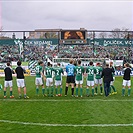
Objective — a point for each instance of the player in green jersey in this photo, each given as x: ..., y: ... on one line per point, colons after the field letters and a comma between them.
x: 49, y: 79
x: 112, y: 82
x: 79, y: 71
x: 98, y: 79
x: 39, y: 76
x: 90, y: 70
x: 58, y: 79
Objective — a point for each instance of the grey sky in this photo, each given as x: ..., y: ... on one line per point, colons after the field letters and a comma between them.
x: 98, y: 15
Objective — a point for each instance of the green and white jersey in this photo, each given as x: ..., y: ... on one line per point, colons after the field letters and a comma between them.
x: 79, y: 70
x: 38, y: 70
x: 48, y: 72
x: 91, y: 71
x: 58, y: 71
x: 98, y: 72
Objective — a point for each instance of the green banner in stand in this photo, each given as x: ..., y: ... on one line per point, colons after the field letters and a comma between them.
x: 102, y: 42
x: 29, y: 42
x: 111, y: 42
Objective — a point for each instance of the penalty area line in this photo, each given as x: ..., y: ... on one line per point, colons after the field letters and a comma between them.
x: 65, y: 125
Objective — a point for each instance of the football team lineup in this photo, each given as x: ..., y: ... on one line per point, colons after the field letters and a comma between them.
x: 67, y: 114
x: 97, y: 77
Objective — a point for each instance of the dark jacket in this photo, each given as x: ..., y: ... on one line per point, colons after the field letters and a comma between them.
x: 107, y: 75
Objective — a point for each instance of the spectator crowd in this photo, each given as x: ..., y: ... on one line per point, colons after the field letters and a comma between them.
x: 30, y: 52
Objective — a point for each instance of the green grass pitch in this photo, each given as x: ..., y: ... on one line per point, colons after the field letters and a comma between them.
x: 65, y: 114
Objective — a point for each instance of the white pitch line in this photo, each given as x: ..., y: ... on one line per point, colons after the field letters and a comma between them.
x: 65, y: 125
x: 67, y: 100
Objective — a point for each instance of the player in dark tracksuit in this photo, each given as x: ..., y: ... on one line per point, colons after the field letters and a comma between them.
x: 107, y: 78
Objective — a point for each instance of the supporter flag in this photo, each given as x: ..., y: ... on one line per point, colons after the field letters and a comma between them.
x: 21, y: 48
x: 95, y: 52
x: 20, y: 44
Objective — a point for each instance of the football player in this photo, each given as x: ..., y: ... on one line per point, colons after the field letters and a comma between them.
x: 20, y: 79
x: 70, y: 77
x: 98, y: 79
x: 39, y: 76
x: 58, y: 79
x: 79, y: 70
x: 90, y: 70
x: 8, y: 79
x: 112, y: 82
x: 49, y: 79
x: 126, y: 79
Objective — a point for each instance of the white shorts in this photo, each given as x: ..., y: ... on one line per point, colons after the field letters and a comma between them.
x: 8, y: 84
x: 49, y: 81
x: 126, y: 83
x: 79, y: 82
x: 98, y: 81
x: 38, y: 81
x: 90, y: 83
x: 58, y: 82
x: 20, y: 83
x: 112, y: 82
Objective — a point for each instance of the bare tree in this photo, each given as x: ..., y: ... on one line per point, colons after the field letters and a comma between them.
x: 2, y: 34
x: 119, y: 33
x: 102, y: 35
x: 51, y: 35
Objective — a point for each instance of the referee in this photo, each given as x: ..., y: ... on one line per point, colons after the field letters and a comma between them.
x: 107, y: 78
x: 8, y: 79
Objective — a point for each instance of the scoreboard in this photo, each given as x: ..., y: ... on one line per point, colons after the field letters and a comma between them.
x: 73, y: 37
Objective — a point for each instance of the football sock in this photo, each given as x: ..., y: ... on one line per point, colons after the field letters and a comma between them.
x: 76, y: 91
x: 43, y: 91
x: 101, y: 89
x: 24, y: 95
x: 87, y: 91
x: 4, y: 93
x: 52, y: 90
x: 66, y: 90
x: 129, y: 91
x: 96, y: 89
x: 81, y: 91
x: 60, y: 90
x: 47, y: 90
x: 123, y: 91
x: 113, y: 88
x: 37, y: 91
x: 72, y: 91
x: 56, y: 91
x: 92, y: 91
x: 10, y: 93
